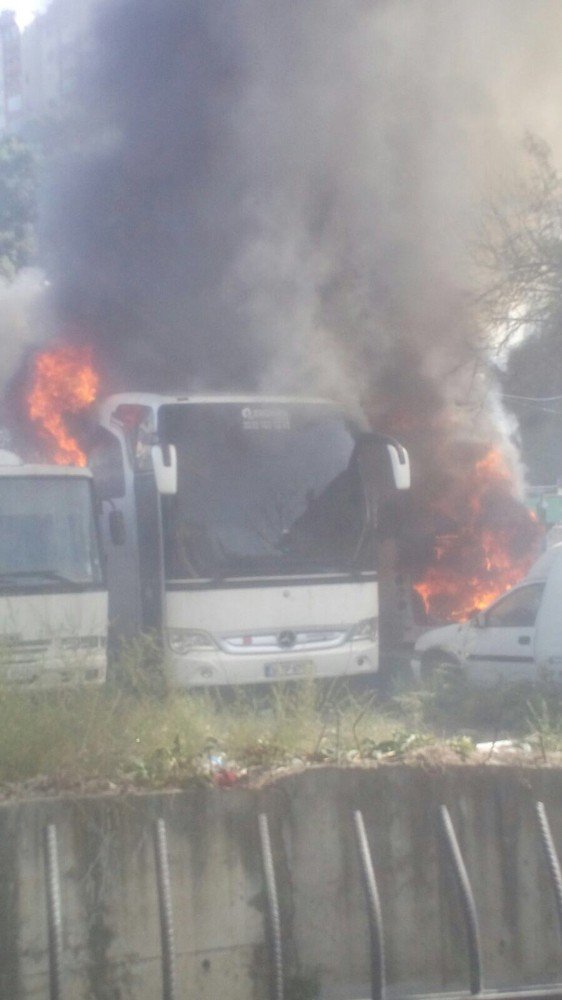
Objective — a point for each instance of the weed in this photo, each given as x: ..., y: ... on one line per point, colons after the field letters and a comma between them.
x: 400, y: 743
x: 544, y: 713
x: 124, y: 734
x: 138, y: 667
x: 450, y: 704
x: 128, y: 735
x: 464, y: 746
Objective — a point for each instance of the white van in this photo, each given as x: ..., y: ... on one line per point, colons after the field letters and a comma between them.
x: 517, y: 638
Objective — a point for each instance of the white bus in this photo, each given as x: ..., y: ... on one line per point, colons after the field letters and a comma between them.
x: 53, y: 594
x: 242, y: 532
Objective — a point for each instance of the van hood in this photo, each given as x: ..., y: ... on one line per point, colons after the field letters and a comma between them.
x: 445, y: 637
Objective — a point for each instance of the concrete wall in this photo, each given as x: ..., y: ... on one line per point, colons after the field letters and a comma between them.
x: 110, y: 907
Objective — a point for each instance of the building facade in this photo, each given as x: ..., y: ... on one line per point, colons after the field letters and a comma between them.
x: 11, y: 73
x: 39, y: 66
x: 53, y: 47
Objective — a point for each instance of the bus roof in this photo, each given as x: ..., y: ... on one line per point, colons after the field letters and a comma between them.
x: 155, y: 400
x: 28, y: 470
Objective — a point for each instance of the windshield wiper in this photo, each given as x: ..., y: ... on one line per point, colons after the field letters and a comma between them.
x: 38, y: 574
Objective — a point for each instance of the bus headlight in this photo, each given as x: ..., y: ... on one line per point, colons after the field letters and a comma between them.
x: 184, y: 640
x: 366, y: 630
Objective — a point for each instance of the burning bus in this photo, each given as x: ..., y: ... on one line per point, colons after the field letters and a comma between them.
x: 243, y: 532
x: 273, y: 537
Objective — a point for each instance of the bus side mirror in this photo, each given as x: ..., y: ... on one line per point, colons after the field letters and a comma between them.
x: 385, y: 464
x: 165, y: 465
x: 117, y: 527
x: 400, y: 464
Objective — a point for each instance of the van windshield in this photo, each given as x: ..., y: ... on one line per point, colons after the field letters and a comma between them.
x: 48, y: 538
x: 263, y: 490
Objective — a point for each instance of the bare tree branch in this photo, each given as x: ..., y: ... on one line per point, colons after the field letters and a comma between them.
x: 518, y: 250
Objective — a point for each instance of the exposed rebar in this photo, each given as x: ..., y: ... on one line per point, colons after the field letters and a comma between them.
x: 274, y: 919
x: 552, y: 859
x: 467, y: 901
x: 54, y: 912
x: 166, y: 915
x: 378, y: 972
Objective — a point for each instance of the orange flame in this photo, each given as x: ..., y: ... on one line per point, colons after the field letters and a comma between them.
x: 64, y: 381
x: 493, y: 548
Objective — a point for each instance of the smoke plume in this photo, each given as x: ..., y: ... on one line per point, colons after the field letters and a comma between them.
x: 24, y: 321
x: 279, y: 196
x: 276, y: 195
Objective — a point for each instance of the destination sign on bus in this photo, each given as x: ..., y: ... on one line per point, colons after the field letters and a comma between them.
x: 261, y: 418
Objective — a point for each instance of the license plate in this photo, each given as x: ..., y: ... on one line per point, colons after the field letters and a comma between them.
x: 289, y: 668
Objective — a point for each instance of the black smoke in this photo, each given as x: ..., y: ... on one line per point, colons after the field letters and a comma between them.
x: 266, y: 194
x: 279, y: 196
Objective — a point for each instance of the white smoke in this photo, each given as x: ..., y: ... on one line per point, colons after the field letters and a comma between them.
x: 23, y: 319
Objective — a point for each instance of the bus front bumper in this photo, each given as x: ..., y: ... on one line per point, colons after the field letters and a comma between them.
x: 214, y: 668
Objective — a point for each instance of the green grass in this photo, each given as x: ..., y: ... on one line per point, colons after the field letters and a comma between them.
x: 129, y: 737
x: 514, y: 710
x: 136, y: 732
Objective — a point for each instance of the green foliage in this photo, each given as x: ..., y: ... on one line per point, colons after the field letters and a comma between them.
x: 18, y: 205
x: 521, y: 711
x: 121, y: 736
x: 545, y: 719
x: 399, y: 744
x: 63, y: 734
x: 138, y: 668
x: 463, y: 746
x: 126, y: 736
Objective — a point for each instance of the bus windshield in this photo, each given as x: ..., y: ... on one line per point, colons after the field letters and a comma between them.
x: 48, y: 538
x: 263, y: 490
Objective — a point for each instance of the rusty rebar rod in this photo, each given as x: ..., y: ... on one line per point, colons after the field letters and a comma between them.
x: 166, y: 914
x: 378, y: 969
x: 274, y: 918
x: 468, y: 905
x: 552, y: 860
x: 54, y: 911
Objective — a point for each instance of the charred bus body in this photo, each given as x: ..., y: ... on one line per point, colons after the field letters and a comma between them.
x: 242, y: 531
